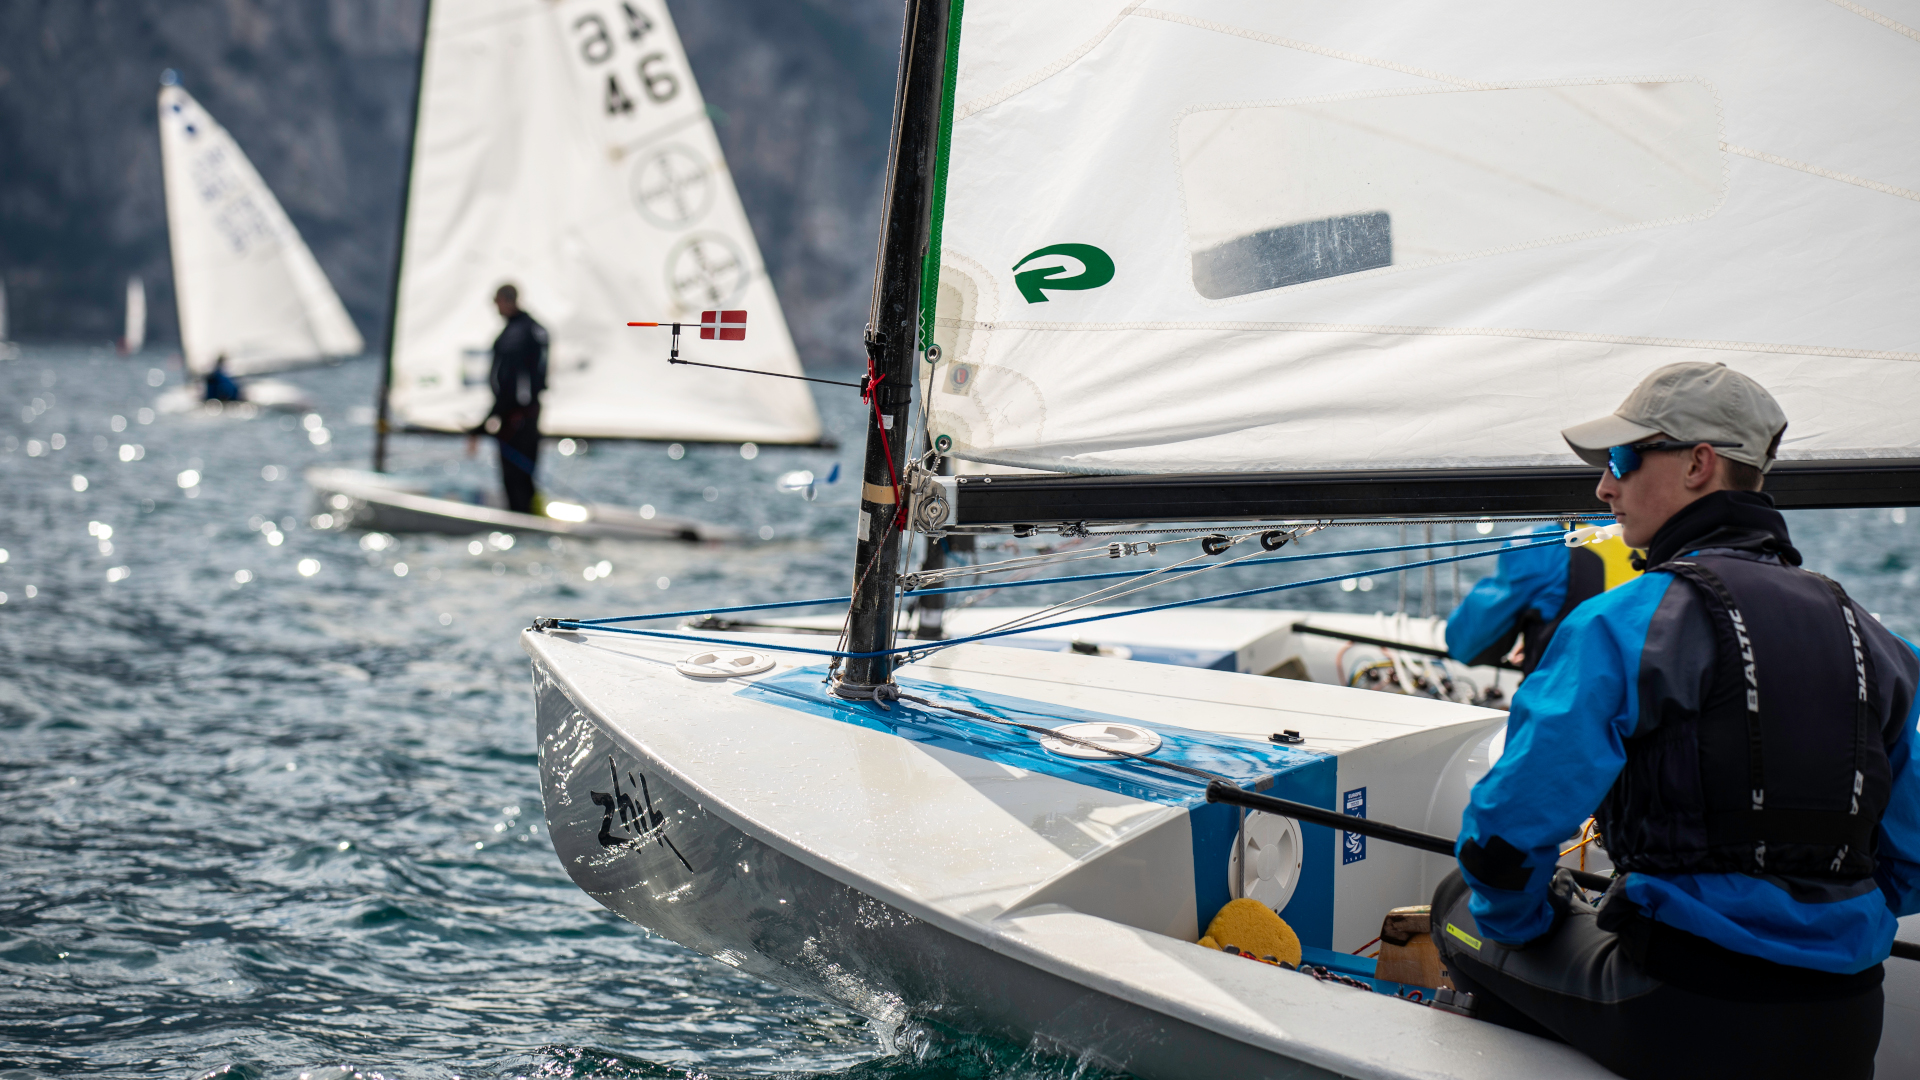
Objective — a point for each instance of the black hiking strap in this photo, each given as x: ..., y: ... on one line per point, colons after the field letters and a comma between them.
x: 1730, y: 613
x: 1864, y: 711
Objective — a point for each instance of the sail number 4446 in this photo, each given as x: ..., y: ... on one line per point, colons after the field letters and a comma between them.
x: 598, y: 39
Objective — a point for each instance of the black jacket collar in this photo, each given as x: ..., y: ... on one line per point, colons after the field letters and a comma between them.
x: 1745, y: 520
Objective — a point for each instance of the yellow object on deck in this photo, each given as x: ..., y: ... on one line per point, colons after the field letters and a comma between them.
x: 1254, y: 928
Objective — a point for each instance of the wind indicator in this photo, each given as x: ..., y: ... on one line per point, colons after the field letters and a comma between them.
x: 726, y: 326
x: 723, y: 326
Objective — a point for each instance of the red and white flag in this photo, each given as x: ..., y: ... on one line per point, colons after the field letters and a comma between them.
x: 723, y: 326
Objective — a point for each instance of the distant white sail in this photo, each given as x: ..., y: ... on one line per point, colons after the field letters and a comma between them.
x: 135, y: 337
x: 244, y: 282
x: 1245, y: 235
x: 562, y: 146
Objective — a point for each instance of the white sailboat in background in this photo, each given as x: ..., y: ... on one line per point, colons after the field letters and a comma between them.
x: 1254, y: 262
x: 135, y: 336
x: 245, y: 285
x: 564, y: 147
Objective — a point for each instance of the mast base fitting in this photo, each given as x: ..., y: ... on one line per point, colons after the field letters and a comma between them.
x: 881, y: 694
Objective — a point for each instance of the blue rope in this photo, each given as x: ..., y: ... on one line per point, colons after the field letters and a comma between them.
x: 574, y: 624
x: 1250, y: 562
x: 1053, y: 580
x: 712, y: 611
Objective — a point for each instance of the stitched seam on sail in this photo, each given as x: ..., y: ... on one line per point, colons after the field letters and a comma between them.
x: 1898, y: 28
x: 1455, y: 331
x: 995, y: 97
x: 1817, y: 170
x: 1307, y: 46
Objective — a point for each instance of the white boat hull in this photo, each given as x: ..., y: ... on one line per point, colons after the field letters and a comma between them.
x: 758, y: 909
x: 354, y: 499
x: 902, y: 878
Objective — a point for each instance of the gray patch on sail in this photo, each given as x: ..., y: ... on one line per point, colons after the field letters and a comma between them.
x: 1291, y: 254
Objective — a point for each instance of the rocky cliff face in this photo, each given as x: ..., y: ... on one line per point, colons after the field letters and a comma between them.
x: 319, y: 94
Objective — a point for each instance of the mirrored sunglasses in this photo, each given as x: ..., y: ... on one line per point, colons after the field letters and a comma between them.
x: 1622, y: 460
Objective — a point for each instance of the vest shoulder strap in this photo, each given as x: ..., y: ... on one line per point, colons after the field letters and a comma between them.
x: 1848, y: 831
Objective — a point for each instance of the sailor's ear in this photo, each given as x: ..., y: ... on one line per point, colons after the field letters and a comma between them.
x: 1703, y: 464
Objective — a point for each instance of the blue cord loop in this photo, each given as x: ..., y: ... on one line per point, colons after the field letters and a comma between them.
x: 929, y: 647
x: 1066, y: 579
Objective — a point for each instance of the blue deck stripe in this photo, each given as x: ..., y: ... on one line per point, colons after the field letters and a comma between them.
x: 1241, y: 760
x: 1283, y: 771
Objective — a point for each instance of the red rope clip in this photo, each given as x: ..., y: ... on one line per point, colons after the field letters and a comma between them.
x: 870, y: 392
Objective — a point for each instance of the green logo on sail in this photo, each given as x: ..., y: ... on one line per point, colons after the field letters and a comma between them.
x: 1096, y: 270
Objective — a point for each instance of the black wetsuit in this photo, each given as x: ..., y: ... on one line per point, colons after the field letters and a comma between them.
x: 1651, y: 1002
x: 519, y: 375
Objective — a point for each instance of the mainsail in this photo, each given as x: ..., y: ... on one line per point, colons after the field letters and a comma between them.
x: 1229, y: 235
x: 244, y: 283
x: 562, y: 146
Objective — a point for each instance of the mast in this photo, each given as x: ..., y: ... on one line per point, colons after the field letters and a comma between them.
x: 893, y: 332
x: 380, y: 423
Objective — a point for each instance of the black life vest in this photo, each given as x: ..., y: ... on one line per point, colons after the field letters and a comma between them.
x: 1784, y: 768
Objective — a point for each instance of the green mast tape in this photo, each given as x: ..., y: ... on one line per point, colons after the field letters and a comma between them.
x: 930, y: 272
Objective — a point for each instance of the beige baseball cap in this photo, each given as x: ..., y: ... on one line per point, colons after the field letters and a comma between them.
x: 1691, y: 402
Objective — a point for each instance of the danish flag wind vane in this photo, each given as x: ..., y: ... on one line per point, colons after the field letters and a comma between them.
x: 726, y: 326
x: 723, y: 326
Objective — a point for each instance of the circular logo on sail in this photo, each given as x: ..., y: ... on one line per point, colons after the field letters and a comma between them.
x: 672, y: 187
x: 706, y: 270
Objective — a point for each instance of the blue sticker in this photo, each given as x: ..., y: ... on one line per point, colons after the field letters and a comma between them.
x: 1353, y: 846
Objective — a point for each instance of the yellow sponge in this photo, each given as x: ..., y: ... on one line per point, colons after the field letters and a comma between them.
x: 1252, y: 927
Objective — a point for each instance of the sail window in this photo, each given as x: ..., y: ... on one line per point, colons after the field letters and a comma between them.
x: 1280, y: 195
x: 1290, y: 254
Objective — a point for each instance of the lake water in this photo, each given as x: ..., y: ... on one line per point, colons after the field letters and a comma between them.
x: 268, y: 798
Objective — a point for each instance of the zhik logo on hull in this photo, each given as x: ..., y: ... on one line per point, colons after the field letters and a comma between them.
x: 1096, y: 270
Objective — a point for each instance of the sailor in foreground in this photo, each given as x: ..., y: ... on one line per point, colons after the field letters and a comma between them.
x: 1530, y: 593
x: 1747, y: 734
x: 518, y: 377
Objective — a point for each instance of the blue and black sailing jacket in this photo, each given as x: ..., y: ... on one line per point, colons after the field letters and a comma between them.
x: 1746, y: 736
x: 1528, y: 596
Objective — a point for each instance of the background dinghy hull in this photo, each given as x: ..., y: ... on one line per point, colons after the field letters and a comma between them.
x: 376, y: 502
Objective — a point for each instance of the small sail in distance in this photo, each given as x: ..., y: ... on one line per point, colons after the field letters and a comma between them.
x: 135, y: 337
x: 245, y: 284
